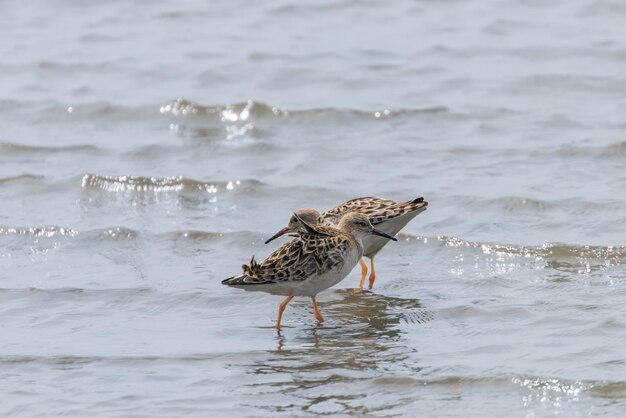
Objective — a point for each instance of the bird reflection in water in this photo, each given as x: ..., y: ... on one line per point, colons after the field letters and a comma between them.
x: 325, y: 368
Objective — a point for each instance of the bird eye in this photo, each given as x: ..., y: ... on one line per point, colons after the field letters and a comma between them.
x: 361, y: 223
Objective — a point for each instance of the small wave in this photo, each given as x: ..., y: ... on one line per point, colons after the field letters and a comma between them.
x: 118, y: 233
x: 246, y: 111
x: 567, y: 82
x: 23, y: 178
x: 238, y: 112
x: 537, y: 207
x: 78, y: 290
x: 420, y: 316
x: 614, y: 150
x: 39, y: 232
x: 55, y: 233
x: 569, y: 258
x: 11, y: 104
x: 77, y: 360
x: 542, y: 251
x: 8, y: 148
x: 140, y: 184
x: 102, y: 110
x: 611, y: 151
x: 123, y: 234
x: 364, y: 114
x: 197, y: 235
x: 516, y: 203
x: 549, y: 387
x: 541, y: 389
x: 527, y: 204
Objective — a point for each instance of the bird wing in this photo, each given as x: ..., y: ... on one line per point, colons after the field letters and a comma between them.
x: 299, y: 259
x: 378, y: 210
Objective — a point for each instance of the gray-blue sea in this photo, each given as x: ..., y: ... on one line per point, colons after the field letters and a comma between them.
x: 148, y: 148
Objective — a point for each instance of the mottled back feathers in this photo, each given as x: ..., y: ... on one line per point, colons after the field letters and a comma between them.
x: 378, y: 210
x: 320, y: 250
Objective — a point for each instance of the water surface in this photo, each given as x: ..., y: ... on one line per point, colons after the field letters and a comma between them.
x: 147, y: 149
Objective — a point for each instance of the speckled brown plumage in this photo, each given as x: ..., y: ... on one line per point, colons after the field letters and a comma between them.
x: 296, y: 261
x: 378, y: 210
x: 318, y: 258
x: 384, y: 214
x: 321, y: 249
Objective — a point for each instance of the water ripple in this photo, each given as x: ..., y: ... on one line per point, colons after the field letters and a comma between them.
x: 23, y: 178
x: 577, y: 259
x: 8, y: 148
x: 39, y: 232
x: 248, y: 110
x: 116, y: 184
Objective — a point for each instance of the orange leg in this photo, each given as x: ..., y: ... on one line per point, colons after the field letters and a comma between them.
x: 363, y: 274
x: 281, y: 309
x: 373, y: 275
x: 318, y: 314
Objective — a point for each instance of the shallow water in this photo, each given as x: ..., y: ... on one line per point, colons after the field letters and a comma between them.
x: 147, y: 149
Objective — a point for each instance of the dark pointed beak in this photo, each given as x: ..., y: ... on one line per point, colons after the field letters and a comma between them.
x: 382, y: 234
x: 278, y: 234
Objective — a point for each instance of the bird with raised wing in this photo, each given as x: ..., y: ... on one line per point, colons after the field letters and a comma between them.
x: 386, y: 215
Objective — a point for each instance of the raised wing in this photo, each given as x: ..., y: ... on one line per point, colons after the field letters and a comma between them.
x: 378, y: 210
